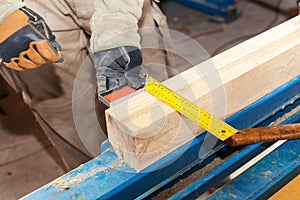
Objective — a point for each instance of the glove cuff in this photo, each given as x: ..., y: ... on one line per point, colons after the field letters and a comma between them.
x: 12, y: 24
x: 135, y: 56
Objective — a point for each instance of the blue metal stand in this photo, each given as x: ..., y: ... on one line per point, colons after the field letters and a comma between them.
x: 260, y: 181
x: 267, y: 176
x: 224, y: 9
x: 107, y: 177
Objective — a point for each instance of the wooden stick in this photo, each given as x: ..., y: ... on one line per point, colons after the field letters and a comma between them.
x: 265, y: 134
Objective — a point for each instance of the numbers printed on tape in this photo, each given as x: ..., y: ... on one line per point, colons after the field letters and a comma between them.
x: 204, y: 119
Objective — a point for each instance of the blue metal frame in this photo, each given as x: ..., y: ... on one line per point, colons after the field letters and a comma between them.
x: 223, y: 8
x: 259, y: 181
x: 106, y: 177
x: 266, y: 177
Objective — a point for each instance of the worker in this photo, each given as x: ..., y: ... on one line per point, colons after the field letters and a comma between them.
x: 44, y: 68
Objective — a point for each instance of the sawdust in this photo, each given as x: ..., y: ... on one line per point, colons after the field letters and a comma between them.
x: 70, y: 180
x: 232, y: 195
x: 65, y: 182
x: 286, y: 116
x: 182, y: 183
x: 268, y: 172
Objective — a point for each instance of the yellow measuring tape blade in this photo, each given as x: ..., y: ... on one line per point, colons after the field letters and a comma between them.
x: 215, y: 126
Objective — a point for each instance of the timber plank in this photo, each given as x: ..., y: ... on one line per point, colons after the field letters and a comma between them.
x: 290, y: 191
x: 142, y: 129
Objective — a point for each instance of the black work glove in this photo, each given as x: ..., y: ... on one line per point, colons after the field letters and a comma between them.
x: 26, y: 41
x: 118, y: 67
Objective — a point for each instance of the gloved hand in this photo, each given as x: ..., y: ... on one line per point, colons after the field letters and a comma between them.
x: 26, y: 41
x: 118, y: 66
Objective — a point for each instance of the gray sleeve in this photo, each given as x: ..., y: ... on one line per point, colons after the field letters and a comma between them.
x: 115, y: 23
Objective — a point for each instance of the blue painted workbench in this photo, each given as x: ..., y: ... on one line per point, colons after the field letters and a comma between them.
x: 224, y: 9
x: 107, y: 177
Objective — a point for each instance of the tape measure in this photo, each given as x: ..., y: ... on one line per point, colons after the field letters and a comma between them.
x: 210, y: 123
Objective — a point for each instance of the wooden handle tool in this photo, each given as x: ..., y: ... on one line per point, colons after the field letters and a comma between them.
x: 265, y: 134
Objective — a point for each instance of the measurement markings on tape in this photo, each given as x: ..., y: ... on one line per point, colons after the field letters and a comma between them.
x: 210, y: 123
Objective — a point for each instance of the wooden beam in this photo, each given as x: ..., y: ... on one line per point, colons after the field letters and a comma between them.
x: 142, y: 129
x: 290, y: 191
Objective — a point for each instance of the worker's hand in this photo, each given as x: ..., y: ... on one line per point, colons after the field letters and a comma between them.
x: 26, y: 41
x: 118, y: 66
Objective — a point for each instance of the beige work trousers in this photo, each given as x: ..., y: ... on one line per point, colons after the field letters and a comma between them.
x: 49, y: 90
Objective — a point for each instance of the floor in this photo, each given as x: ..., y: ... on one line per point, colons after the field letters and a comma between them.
x: 28, y: 160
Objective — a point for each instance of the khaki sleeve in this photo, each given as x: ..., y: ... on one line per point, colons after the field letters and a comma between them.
x: 7, y: 7
x: 115, y: 23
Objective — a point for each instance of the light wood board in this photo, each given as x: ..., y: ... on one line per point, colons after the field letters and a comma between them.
x: 290, y: 191
x: 142, y: 129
